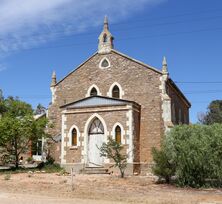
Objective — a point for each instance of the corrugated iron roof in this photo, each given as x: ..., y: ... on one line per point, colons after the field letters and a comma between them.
x: 96, y: 101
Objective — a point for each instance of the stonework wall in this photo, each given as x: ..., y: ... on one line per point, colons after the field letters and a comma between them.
x: 136, y: 141
x: 55, y: 150
x: 80, y: 120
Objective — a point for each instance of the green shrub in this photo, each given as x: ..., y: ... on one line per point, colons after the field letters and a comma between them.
x: 163, y: 168
x: 191, y: 153
x: 50, y: 160
x: 29, y: 159
x: 52, y: 168
x: 113, y: 150
x: 7, y: 159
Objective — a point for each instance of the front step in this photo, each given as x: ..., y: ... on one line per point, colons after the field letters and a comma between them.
x: 95, y: 170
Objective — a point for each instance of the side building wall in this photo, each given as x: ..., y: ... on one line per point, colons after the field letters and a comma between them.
x: 179, y: 106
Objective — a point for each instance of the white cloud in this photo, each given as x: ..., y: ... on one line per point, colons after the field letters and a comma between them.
x: 28, y: 23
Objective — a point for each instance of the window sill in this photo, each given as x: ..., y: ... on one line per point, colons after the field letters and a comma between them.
x: 73, y: 147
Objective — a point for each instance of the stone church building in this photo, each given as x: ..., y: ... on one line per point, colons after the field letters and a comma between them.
x: 113, y: 95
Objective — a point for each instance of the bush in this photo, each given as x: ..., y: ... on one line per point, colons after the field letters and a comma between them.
x: 50, y: 160
x: 7, y: 159
x: 29, y: 160
x: 191, y: 153
x: 163, y: 168
x: 52, y: 168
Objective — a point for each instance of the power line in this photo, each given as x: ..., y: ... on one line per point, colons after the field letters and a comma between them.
x: 198, y: 102
x: 173, y: 16
x: 125, y: 39
x: 204, y: 92
x: 69, y: 33
x: 198, y: 82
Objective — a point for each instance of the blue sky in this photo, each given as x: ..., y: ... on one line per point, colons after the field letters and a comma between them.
x: 38, y: 37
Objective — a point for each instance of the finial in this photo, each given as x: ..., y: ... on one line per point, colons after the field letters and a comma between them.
x: 106, y: 24
x: 164, y: 66
x: 53, y: 83
x: 105, y: 39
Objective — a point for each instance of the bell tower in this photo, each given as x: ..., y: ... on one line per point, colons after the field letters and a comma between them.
x: 105, y: 39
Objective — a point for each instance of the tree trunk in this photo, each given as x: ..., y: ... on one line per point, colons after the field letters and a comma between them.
x: 16, y: 161
x: 16, y: 154
x: 122, y: 173
x: 167, y: 179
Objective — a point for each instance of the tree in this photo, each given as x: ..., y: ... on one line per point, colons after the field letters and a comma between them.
x: 18, y: 128
x: 113, y: 150
x: 213, y: 114
x: 2, y: 105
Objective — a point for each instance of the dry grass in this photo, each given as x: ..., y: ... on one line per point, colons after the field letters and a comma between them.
x: 107, y: 188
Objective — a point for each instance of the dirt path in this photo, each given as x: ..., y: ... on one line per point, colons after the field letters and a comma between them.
x: 12, y: 198
x: 51, y: 188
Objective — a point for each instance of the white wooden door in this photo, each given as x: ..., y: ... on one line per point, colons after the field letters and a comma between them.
x: 94, y: 158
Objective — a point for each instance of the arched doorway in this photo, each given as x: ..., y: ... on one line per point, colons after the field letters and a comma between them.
x: 95, y: 140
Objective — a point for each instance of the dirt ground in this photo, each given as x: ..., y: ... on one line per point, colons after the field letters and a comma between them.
x: 103, y: 189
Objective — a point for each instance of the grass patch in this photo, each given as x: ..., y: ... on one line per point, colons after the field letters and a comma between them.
x: 47, y: 168
x: 52, y: 168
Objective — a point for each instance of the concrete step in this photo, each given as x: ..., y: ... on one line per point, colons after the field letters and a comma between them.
x: 95, y: 170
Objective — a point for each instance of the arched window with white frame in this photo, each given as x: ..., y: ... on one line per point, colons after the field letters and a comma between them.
x: 118, y: 133
x: 115, y: 91
x: 104, y: 63
x: 93, y: 91
x: 74, y: 135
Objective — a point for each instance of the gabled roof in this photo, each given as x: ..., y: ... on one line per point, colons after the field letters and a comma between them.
x: 94, y: 101
x: 179, y: 92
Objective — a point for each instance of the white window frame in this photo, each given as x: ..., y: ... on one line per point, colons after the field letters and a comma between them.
x: 70, y: 137
x: 90, y: 89
x: 101, y: 61
x: 121, y: 92
x: 113, y: 132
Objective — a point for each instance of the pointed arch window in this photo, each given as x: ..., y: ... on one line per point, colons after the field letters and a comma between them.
x: 93, y: 92
x: 116, y: 92
x: 118, y: 134
x: 96, y: 127
x: 74, y: 137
